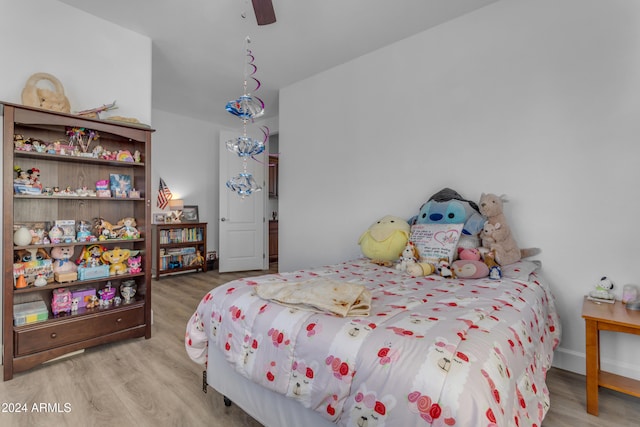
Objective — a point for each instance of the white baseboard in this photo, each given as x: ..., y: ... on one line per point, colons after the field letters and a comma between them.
x: 576, y: 362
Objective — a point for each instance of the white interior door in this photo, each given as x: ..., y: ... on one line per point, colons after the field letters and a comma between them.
x: 242, y: 224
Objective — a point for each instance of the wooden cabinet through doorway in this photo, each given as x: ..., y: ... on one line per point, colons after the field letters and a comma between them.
x: 273, y: 241
x: 273, y: 177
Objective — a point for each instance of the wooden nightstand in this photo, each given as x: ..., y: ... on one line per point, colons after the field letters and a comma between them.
x: 606, y: 317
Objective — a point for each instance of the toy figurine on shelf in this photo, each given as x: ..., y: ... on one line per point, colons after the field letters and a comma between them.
x: 40, y: 281
x: 174, y: 217
x: 20, y: 143
x: 94, y: 113
x: 127, y: 228
x: 104, y: 229
x: 39, y: 146
x: 198, y: 260
x: 106, y: 295
x: 93, y: 302
x: 25, y: 182
x: 55, y: 234
x: 91, y: 256
x: 34, y: 177
x: 135, y: 264
x: 83, y: 233
x: 22, y: 176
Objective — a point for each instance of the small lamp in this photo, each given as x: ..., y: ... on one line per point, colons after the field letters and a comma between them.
x: 176, y: 207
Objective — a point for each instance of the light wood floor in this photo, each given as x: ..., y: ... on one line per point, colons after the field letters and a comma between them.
x: 153, y: 382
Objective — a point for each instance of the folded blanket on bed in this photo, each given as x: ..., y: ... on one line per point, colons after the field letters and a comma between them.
x: 321, y: 295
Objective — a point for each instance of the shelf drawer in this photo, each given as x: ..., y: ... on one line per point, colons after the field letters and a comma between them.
x: 75, y: 329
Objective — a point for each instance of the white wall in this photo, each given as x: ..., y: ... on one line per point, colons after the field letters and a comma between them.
x: 538, y: 100
x: 96, y: 61
x: 186, y: 156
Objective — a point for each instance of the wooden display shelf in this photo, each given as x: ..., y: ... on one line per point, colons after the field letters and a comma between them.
x: 26, y: 346
x: 76, y: 283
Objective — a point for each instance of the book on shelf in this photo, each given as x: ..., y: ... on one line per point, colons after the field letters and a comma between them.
x: 177, y: 258
x: 180, y: 235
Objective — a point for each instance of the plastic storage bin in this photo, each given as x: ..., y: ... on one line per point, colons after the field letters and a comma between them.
x: 30, y: 312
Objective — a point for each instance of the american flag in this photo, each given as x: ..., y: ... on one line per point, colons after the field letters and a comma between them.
x: 164, y: 194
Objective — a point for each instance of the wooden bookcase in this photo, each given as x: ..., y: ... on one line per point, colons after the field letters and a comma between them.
x: 31, y: 344
x: 180, y: 247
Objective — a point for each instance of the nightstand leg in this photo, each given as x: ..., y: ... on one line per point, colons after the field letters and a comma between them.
x: 593, y: 365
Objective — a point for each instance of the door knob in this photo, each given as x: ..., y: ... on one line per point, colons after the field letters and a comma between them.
x: 223, y: 219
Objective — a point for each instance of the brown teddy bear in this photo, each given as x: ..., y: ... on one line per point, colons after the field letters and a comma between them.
x: 34, y: 96
x: 504, y: 246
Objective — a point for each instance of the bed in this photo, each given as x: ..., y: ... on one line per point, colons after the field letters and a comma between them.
x: 430, y: 351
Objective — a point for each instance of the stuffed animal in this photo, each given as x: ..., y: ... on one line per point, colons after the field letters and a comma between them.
x: 127, y: 228
x: 472, y: 254
x: 34, y: 96
x: 602, y: 289
x: 135, y: 264
x: 444, y: 269
x: 469, y: 264
x: 449, y: 207
x: 504, y: 246
x: 93, y: 302
x: 486, y: 234
x: 469, y: 269
x: 62, y: 259
x: 384, y: 241
x: 418, y: 269
x: 31, y: 254
x: 116, y: 257
x: 409, y: 255
x: 495, y: 272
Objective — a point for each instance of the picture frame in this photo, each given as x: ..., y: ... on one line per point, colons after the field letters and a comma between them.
x: 120, y: 185
x: 190, y: 214
x: 159, y: 218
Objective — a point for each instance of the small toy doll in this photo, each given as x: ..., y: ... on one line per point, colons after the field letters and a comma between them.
x: 135, y: 264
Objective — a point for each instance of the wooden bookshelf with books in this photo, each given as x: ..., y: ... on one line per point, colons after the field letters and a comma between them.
x: 179, y: 247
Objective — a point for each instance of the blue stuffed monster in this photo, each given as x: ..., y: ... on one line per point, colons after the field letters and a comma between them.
x: 449, y: 207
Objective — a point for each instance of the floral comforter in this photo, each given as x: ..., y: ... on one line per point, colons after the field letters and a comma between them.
x: 433, y: 351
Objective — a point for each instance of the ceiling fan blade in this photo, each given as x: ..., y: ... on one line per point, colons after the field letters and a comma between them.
x: 265, y: 14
